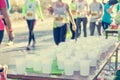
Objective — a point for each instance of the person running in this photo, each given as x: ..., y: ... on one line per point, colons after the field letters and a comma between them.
x: 29, y: 11
x: 96, y: 12
x: 60, y: 10
x: 10, y: 40
x: 73, y: 8
x: 107, y: 18
x: 4, y: 12
x: 82, y: 8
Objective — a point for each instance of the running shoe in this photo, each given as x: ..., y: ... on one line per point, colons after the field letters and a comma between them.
x: 10, y: 43
x: 27, y: 48
x: 33, y: 45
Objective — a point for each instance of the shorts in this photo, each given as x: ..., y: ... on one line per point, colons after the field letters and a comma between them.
x: 4, y: 21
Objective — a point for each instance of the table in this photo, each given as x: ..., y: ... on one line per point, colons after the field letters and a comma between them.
x: 107, y: 31
x: 94, y: 72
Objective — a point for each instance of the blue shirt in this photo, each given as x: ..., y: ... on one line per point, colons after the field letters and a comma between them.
x: 118, y: 7
x: 8, y: 5
x: 107, y: 16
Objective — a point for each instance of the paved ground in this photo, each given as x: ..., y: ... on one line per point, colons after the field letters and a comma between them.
x: 43, y: 33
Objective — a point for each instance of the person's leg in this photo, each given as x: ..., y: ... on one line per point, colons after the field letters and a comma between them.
x: 105, y: 25
x: 56, y: 35
x: 78, y: 31
x: 92, y: 28
x: 32, y: 32
x: 73, y: 32
x: 99, y: 28
x: 85, y: 26
x: 1, y: 35
x: 10, y: 39
x: 63, y: 31
x: 29, y: 22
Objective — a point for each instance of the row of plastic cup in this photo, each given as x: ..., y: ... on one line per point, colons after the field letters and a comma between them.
x: 79, y: 56
x: 70, y: 67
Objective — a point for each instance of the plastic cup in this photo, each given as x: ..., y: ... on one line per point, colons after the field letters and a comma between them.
x: 29, y: 60
x: 84, y: 67
x: 46, y: 66
x: 60, y: 61
x: 76, y: 63
x: 20, y: 65
x: 68, y: 67
x: 37, y: 66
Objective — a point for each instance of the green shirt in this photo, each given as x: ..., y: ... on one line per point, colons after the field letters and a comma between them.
x: 73, y: 6
x: 32, y: 6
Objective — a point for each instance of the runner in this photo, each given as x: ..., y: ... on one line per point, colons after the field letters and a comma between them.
x: 107, y: 18
x: 82, y: 7
x: 4, y: 12
x: 96, y: 12
x: 30, y: 9
x: 73, y: 8
x: 60, y: 10
x: 10, y: 40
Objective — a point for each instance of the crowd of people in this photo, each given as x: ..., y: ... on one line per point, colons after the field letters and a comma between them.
x: 73, y: 16
x: 99, y: 15
x: 75, y: 13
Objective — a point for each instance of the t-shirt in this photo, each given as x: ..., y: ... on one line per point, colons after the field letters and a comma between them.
x: 73, y: 7
x: 2, y: 5
x: 107, y: 16
x: 31, y: 9
x: 81, y: 8
x: 95, y: 9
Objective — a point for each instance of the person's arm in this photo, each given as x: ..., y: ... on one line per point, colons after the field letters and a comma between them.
x: 71, y: 18
x: 6, y: 17
x: 101, y: 11
x: 39, y: 11
x: 109, y: 10
x: 103, y: 2
x: 87, y: 8
x: 24, y: 10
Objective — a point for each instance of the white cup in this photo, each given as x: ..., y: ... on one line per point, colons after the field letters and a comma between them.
x: 60, y: 61
x: 37, y: 66
x: 68, y: 67
x: 20, y: 64
x: 84, y: 67
x: 29, y: 60
x: 46, y: 66
x: 76, y: 63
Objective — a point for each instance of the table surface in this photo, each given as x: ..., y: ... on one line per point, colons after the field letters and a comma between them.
x: 94, y: 72
x: 111, y: 29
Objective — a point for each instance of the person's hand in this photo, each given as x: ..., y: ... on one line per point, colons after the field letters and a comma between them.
x: 50, y: 9
x: 74, y: 27
x: 42, y: 20
x: 1, y: 16
x: 23, y: 17
x: 11, y: 35
x: 88, y: 13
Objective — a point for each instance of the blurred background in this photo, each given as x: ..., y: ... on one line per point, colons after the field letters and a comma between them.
x: 16, y: 7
